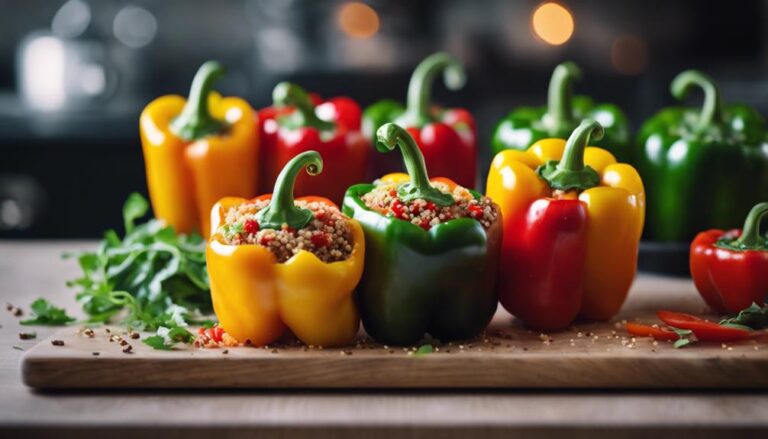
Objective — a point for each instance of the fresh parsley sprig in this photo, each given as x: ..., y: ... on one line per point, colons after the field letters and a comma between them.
x: 45, y: 313
x: 152, y: 276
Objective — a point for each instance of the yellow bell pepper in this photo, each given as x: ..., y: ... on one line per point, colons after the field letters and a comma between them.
x: 198, y: 151
x: 572, y: 224
x: 256, y: 298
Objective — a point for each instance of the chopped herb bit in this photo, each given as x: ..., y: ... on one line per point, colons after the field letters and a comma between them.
x: 166, y: 338
x: 425, y: 349
x: 753, y: 317
x: 45, y: 313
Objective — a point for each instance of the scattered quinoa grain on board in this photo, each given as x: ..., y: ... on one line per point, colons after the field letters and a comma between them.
x: 425, y: 214
x: 328, y: 236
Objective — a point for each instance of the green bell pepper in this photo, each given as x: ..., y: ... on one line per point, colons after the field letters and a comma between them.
x: 705, y: 168
x: 441, y: 281
x: 526, y: 125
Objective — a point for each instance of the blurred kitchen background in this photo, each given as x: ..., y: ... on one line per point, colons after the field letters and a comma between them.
x: 74, y: 75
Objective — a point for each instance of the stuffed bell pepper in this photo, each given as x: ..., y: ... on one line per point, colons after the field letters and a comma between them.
x: 197, y: 151
x: 572, y: 223
x: 527, y: 125
x: 296, y: 123
x: 703, y: 168
x: 730, y: 268
x: 432, y: 251
x: 447, y: 137
x: 278, y: 264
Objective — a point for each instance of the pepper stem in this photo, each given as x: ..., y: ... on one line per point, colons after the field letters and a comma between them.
x: 288, y: 94
x: 560, y: 96
x: 418, y: 112
x: 281, y: 209
x: 195, y: 120
x: 712, y: 110
x: 750, y: 235
x: 392, y: 135
x: 571, y: 172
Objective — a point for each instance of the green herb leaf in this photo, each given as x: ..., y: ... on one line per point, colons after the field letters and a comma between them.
x: 682, y: 342
x: 424, y: 349
x: 134, y: 208
x: 166, y: 338
x: 157, y: 342
x: 685, y: 337
x: 753, y: 317
x: 45, y: 313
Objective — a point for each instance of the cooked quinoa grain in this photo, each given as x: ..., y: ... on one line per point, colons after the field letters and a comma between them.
x: 384, y: 200
x: 328, y: 236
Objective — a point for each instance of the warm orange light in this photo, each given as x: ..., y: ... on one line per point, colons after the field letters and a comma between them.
x: 552, y: 23
x: 629, y: 55
x: 358, y: 20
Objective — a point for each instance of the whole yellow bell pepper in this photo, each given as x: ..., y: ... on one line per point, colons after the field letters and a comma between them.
x: 572, y: 224
x: 256, y: 298
x: 198, y: 151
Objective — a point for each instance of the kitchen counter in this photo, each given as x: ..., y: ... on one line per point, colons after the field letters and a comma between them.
x: 29, y: 270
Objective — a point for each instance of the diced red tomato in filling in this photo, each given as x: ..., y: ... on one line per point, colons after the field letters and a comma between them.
x: 251, y: 226
x: 399, y: 209
x: 320, y: 239
x: 475, y: 211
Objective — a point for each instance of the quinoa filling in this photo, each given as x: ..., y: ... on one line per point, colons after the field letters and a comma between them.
x: 425, y: 214
x: 328, y: 236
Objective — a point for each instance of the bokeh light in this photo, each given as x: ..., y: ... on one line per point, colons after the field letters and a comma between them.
x: 358, y: 20
x: 552, y: 23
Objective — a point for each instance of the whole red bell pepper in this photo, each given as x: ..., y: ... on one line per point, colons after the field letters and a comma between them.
x: 730, y: 268
x: 447, y: 137
x: 296, y: 123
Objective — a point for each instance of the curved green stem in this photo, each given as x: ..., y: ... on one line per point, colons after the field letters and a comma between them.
x: 570, y: 172
x: 391, y: 136
x: 712, y: 110
x: 750, y: 235
x: 282, y: 209
x: 288, y: 94
x: 417, y: 112
x: 560, y: 96
x: 195, y: 120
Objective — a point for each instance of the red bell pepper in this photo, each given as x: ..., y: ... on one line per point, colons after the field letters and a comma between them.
x: 704, y: 330
x: 447, y: 137
x: 548, y: 250
x: 331, y: 128
x: 730, y: 268
x: 268, y: 128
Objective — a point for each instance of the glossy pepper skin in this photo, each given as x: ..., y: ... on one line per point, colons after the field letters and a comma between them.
x: 525, y: 126
x: 441, y: 281
x: 257, y: 299
x: 572, y: 223
x: 198, y: 151
x: 730, y: 268
x: 703, y: 169
x: 447, y: 137
x: 331, y: 128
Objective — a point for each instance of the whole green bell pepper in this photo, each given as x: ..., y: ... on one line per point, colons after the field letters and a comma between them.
x: 703, y: 169
x: 441, y: 281
x: 564, y: 112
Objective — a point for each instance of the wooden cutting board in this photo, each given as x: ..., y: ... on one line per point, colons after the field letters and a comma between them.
x: 507, y: 356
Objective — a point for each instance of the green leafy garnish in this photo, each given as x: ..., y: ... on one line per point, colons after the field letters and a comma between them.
x: 425, y: 349
x: 753, y: 317
x: 685, y: 337
x: 45, y: 313
x: 166, y: 338
x: 153, y: 276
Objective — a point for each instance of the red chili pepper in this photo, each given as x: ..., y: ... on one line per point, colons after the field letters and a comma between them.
x: 657, y: 333
x: 703, y: 330
x: 332, y: 129
x: 730, y: 269
x: 544, y: 254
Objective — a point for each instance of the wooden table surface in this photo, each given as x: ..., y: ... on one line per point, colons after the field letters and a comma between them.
x: 29, y: 270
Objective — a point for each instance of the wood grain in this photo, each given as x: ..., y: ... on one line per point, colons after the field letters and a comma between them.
x: 507, y: 356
